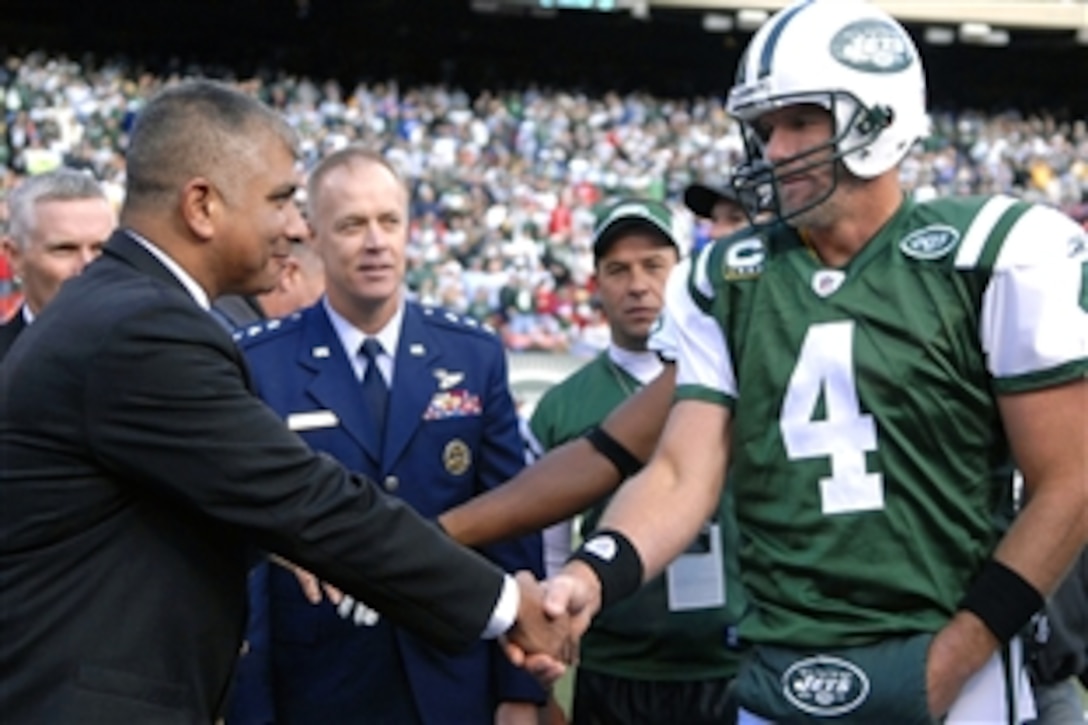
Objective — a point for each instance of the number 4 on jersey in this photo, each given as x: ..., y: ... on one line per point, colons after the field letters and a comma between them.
x: 825, y: 367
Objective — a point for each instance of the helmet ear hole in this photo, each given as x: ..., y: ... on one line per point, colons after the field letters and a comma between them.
x: 876, y: 120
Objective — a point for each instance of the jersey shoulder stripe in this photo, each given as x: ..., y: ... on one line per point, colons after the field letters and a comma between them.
x: 699, y: 285
x: 987, y: 231
x: 978, y: 233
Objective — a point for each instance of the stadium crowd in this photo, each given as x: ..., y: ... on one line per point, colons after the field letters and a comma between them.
x: 506, y: 181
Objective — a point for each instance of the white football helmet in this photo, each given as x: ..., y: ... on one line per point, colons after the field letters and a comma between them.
x: 848, y: 56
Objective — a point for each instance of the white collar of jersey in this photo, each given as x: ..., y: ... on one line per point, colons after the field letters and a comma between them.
x: 642, y: 365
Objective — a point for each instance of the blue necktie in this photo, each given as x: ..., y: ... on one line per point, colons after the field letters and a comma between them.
x: 375, y: 391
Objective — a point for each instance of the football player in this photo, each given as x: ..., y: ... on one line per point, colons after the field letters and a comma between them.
x: 866, y: 368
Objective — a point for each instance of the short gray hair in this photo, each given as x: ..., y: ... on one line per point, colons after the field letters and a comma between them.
x: 349, y: 156
x: 63, y: 184
x: 198, y: 127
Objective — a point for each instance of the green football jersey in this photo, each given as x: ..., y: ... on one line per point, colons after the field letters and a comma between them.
x: 659, y: 633
x: 868, y: 461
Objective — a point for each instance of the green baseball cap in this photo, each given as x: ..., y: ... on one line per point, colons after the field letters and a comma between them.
x: 631, y: 213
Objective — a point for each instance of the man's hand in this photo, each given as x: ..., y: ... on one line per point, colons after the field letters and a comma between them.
x: 539, y: 637
x: 956, y: 653
x: 572, y: 597
x: 517, y: 713
x: 576, y: 592
x: 311, y: 586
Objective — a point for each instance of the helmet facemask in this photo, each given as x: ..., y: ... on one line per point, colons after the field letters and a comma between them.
x: 855, y: 128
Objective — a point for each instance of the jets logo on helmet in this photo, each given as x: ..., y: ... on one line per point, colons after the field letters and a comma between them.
x: 847, y: 56
x: 872, y: 46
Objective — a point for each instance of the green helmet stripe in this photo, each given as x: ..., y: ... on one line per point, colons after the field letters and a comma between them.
x: 767, y: 55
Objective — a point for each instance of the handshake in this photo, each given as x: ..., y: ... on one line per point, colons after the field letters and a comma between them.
x: 552, y: 615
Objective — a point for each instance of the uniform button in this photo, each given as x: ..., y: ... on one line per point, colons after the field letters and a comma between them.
x: 245, y: 648
x: 391, y: 483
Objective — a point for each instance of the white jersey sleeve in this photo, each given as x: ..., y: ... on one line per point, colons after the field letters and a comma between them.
x: 663, y: 335
x: 1034, y: 320
x: 704, y: 365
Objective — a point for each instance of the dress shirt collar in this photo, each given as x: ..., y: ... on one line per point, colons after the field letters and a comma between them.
x: 195, y: 290
x: 28, y: 315
x: 351, y: 337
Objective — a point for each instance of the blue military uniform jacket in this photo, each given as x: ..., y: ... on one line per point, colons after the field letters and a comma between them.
x: 451, y: 433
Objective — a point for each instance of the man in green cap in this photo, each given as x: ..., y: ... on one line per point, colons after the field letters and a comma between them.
x: 665, y: 655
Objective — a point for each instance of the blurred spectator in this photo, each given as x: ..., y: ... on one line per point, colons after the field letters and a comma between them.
x: 718, y: 209
x: 59, y: 222
x: 301, y: 284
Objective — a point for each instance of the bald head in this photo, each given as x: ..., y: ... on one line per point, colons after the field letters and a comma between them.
x: 349, y: 156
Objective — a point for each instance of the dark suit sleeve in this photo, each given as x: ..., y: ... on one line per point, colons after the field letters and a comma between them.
x: 167, y: 410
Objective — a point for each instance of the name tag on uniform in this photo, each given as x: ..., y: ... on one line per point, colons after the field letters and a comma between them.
x: 312, y: 419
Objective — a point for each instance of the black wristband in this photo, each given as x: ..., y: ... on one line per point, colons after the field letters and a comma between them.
x: 1002, y: 599
x: 611, y: 449
x: 615, y: 562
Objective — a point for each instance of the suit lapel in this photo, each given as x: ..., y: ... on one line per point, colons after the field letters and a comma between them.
x: 413, y: 385
x: 334, y: 384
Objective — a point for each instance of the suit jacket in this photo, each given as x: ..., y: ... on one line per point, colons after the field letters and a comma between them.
x: 451, y: 433
x: 137, y: 470
x: 9, y: 331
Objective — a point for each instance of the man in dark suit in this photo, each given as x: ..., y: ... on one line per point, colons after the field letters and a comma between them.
x: 450, y: 432
x: 58, y: 223
x: 139, y: 470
